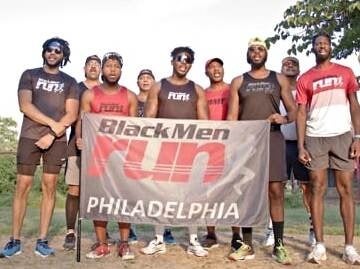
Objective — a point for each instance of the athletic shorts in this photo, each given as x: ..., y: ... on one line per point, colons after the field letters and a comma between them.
x: 330, y: 152
x: 277, y: 169
x: 72, y: 171
x: 29, y: 155
x: 292, y: 163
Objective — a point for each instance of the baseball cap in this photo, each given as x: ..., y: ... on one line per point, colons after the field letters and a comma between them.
x: 114, y: 56
x: 257, y: 41
x: 218, y: 60
x: 93, y: 58
x: 290, y: 58
x: 146, y: 72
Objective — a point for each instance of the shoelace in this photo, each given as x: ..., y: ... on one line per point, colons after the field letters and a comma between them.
x: 10, y: 244
x: 44, y: 244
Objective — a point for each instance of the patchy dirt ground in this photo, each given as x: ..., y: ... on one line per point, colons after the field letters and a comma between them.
x: 176, y: 257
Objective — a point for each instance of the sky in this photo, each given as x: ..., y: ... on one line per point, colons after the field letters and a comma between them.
x: 144, y: 32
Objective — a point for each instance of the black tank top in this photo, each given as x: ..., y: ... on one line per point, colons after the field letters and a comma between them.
x: 259, y: 98
x: 177, y: 101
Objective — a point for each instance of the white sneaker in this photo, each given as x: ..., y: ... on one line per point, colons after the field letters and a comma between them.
x: 269, y: 238
x: 312, y: 239
x: 196, y: 249
x: 351, y: 256
x: 153, y: 247
x: 317, y: 254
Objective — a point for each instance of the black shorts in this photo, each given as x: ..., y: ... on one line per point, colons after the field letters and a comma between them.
x: 292, y: 163
x: 29, y: 155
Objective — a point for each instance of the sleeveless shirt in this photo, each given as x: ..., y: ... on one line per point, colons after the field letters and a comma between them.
x: 113, y: 104
x: 177, y: 101
x: 259, y: 98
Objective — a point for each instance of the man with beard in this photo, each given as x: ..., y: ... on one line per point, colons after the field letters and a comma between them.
x: 163, y: 102
x: 48, y: 99
x: 256, y: 95
x: 328, y: 111
x: 109, y: 98
x: 72, y: 172
x: 290, y: 68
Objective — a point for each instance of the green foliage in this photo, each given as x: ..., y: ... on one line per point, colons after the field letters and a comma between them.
x: 340, y: 19
x: 7, y: 173
x: 8, y: 135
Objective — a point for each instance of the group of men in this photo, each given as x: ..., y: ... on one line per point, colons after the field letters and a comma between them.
x: 51, y: 102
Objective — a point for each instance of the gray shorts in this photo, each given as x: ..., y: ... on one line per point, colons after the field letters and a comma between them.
x: 72, y: 172
x: 330, y: 152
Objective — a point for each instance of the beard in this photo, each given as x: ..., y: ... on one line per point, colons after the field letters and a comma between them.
x: 256, y: 65
x: 322, y: 58
x: 53, y: 65
x: 110, y: 82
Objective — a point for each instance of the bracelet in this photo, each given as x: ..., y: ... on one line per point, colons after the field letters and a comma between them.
x: 357, y: 136
x: 53, y: 133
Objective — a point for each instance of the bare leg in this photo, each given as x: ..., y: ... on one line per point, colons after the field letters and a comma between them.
x: 48, y: 186
x: 344, y: 188
x: 22, y: 189
x: 124, y: 230
x: 318, y: 181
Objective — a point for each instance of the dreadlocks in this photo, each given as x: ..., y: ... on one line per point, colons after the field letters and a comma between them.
x: 64, y: 46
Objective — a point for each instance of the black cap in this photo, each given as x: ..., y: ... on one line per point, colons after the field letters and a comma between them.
x: 93, y: 58
x: 146, y: 72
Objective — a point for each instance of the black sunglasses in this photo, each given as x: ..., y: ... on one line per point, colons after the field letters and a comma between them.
x: 183, y: 58
x: 56, y: 50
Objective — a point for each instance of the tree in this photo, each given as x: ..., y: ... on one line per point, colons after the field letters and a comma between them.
x: 339, y: 18
x: 8, y: 135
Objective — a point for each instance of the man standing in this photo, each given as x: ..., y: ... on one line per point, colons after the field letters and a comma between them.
x: 49, y: 100
x: 163, y: 102
x: 256, y: 95
x: 328, y: 109
x: 72, y: 172
x: 112, y: 99
x: 290, y: 68
x: 217, y: 95
x: 145, y: 81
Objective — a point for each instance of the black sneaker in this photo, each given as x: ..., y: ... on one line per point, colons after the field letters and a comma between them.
x: 236, y: 243
x: 69, y: 242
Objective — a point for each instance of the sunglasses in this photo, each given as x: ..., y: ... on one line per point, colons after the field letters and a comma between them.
x: 255, y: 48
x: 55, y: 50
x: 184, y: 58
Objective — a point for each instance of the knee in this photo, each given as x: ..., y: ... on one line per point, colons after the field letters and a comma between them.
x: 276, y: 193
x: 318, y: 188
x: 74, y: 190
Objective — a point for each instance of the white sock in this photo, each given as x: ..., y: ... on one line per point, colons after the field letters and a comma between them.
x: 320, y: 244
x: 193, y: 238
x: 159, y: 238
x: 348, y: 248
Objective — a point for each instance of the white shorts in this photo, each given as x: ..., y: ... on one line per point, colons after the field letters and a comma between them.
x: 72, y: 172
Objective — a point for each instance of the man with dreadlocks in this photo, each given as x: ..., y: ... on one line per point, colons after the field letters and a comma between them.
x: 48, y: 98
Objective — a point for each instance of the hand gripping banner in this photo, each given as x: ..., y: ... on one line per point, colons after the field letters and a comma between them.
x: 174, y: 172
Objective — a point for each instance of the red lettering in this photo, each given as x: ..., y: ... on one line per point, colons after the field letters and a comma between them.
x: 174, y: 161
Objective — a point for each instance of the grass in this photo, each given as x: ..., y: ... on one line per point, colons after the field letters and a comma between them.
x: 296, y: 218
